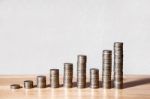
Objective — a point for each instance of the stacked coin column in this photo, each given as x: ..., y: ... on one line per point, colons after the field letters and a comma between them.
x: 28, y: 84
x: 68, y: 75
x: 54, y: 78
x: 94, y: 78
x: 106, y: 69
x: 81, y: 71
x: 41, y: 81
x: 118, y: 65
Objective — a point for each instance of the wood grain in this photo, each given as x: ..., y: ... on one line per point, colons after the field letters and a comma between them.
x: 135, y: 87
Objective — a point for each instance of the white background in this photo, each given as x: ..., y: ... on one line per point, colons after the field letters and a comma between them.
x: 36, y: 35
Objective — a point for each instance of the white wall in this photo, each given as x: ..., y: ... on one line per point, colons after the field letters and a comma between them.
x: 36, y: 35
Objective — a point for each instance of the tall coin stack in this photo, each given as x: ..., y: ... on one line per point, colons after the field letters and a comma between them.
x: 118, y: 65
x: 106, y: 69
x: 81, y: 71
x: 68, y: 75
x: 54, y: 78
x: 94, y: 78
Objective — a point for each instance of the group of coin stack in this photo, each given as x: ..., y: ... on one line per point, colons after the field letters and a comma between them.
x: 28, y: 84
x: 81, y: 72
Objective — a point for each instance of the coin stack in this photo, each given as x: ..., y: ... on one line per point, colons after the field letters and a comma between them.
x: 118, y: 65
x: 41, y: 81
x: 28, y: 84
x: 94, y: 78
x: 106, y: 69
x: 54, y: 78
x: 68, y: 75
x: 15, y: 86
x: 81, y: 71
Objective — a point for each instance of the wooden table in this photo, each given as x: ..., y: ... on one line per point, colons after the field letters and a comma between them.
x: 135, y: 87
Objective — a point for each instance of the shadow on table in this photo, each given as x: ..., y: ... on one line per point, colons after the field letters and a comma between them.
x: 136, y: 82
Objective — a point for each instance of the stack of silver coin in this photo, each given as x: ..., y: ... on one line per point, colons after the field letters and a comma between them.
x: 106, y: 69
x: 28, y: 84
x: 15, y: 86
x: 68, y: 75
x: 41, y: 81
x: 81, y: 71
x: 118, y: 65
x: 54, y: 78
x: 94, y: 78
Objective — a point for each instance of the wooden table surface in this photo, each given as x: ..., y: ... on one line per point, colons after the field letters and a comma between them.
x: 135, y: 87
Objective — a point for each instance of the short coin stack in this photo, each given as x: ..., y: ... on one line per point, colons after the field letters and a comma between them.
x: 15, y: 86
x: 94, y: 78
x: 81, y: 71
x: 41, y: 81
x: 54, y: 78
x: 106, y: 69
x: 28, y: 84
x: 118, y: 65
x: 68, y: 75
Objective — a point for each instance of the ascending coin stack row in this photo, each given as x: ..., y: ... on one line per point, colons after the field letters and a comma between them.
x: 28, y: 84
x: 81, y: 71
x: 106, y: 69
x: 118, y: 65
